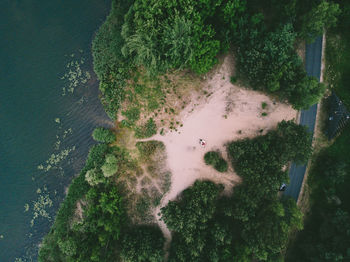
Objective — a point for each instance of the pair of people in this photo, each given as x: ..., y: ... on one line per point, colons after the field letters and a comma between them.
x: 202, y: 142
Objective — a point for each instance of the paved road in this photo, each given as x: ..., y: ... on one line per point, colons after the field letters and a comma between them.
x: 308, y: 117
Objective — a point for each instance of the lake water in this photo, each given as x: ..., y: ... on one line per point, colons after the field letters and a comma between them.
x: 48, y: 108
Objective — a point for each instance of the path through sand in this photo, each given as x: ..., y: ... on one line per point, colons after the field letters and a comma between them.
x: 220, y: 119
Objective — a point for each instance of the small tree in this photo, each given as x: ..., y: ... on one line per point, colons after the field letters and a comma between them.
x: 103, y: 135
x: 94, y: 177
x: 110, y: 166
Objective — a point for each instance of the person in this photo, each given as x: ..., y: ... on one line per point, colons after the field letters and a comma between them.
x: 202, y: 142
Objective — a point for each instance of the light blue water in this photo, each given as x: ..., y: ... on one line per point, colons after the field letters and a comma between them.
x: 38, y: 39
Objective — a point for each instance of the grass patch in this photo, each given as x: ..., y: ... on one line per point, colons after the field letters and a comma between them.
x: 147, y: 149
x: 132, y: 114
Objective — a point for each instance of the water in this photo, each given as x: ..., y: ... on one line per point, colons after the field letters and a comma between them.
x: 40, y: 113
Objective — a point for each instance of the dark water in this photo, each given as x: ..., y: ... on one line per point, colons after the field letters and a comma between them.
x: 41, y: 114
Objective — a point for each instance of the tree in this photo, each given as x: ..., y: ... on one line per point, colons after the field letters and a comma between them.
x: 307, y: 92
x: 322, y: 16
x: 110, y: 167
x: 190, y: 218
x: 142, y: 244
x: 103, y: 135
x: 68, y: 247
x: 159, y: 38
x: 94, y: 177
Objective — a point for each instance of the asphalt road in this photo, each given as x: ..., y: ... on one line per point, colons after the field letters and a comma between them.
x: 308, y: 117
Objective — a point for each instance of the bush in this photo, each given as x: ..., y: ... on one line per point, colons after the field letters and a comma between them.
x: 132, y: 114
x: 148, y: 130
x: 214, y: 158
x: 147, y: 149
x: 103, y: 135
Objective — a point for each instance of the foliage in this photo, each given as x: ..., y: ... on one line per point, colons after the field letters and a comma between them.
x: 94, y: 177
x: 85, y: 239
x: 264, y: 231
x: 268, y: 62
x: 142, y: 243
x: 189, y: 218
x: 103, y: 135
x: 147, y: 149
x: 260, y: 160
x: 215, y: 159
x: 320, y: 17
x: 326, y: 232
x: 326, y: 236
x: 110, y: 65
x: 159, y: 38
x: 148, y: 130
x: 110, y: 167
x: 132, y: 114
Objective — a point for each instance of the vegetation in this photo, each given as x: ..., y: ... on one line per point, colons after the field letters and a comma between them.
x: 326, y: 232
x: 147, y: 39
x: 84, y: 236
x: 148, y: 130
x: 142, y: 244
x: 103, y: 135
x: 320, y: 17
x: 268, y: 61
x: 253, y: 223
x: 215, y: 159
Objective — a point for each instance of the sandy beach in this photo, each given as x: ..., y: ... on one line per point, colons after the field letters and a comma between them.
x: 230, y: 113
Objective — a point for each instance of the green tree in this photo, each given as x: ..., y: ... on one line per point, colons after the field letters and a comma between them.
x: 142, y: 243
x: 68, y: 247
x: 94, y: 177
x: 104, y: 135
x: 320, y: 17
x: 110, y: 167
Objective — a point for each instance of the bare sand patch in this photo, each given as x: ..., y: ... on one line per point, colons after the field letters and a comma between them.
x: 229, y: 113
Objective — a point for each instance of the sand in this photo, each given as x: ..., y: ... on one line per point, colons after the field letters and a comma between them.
x: 230, y: 113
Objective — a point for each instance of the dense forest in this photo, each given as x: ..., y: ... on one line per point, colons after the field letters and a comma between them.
x: 157, y: 37
x: 188, y: 34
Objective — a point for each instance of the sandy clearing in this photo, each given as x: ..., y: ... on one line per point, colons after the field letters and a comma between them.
x: 219, y: 119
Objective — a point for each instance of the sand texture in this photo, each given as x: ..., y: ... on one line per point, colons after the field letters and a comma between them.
x: 229, y: 113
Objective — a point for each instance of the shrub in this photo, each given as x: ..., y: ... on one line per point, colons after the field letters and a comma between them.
x: 103, y: 135
x: 148, y: 130
x: 221, y: 165
x: 233, y: 79
x: 214, y: 158
x: 133, y: 114
x: 147, y: 149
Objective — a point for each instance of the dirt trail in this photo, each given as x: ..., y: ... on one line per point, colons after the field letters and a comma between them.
x: 230, y: 113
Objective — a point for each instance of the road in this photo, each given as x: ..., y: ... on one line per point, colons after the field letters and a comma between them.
x: 313, y: 60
